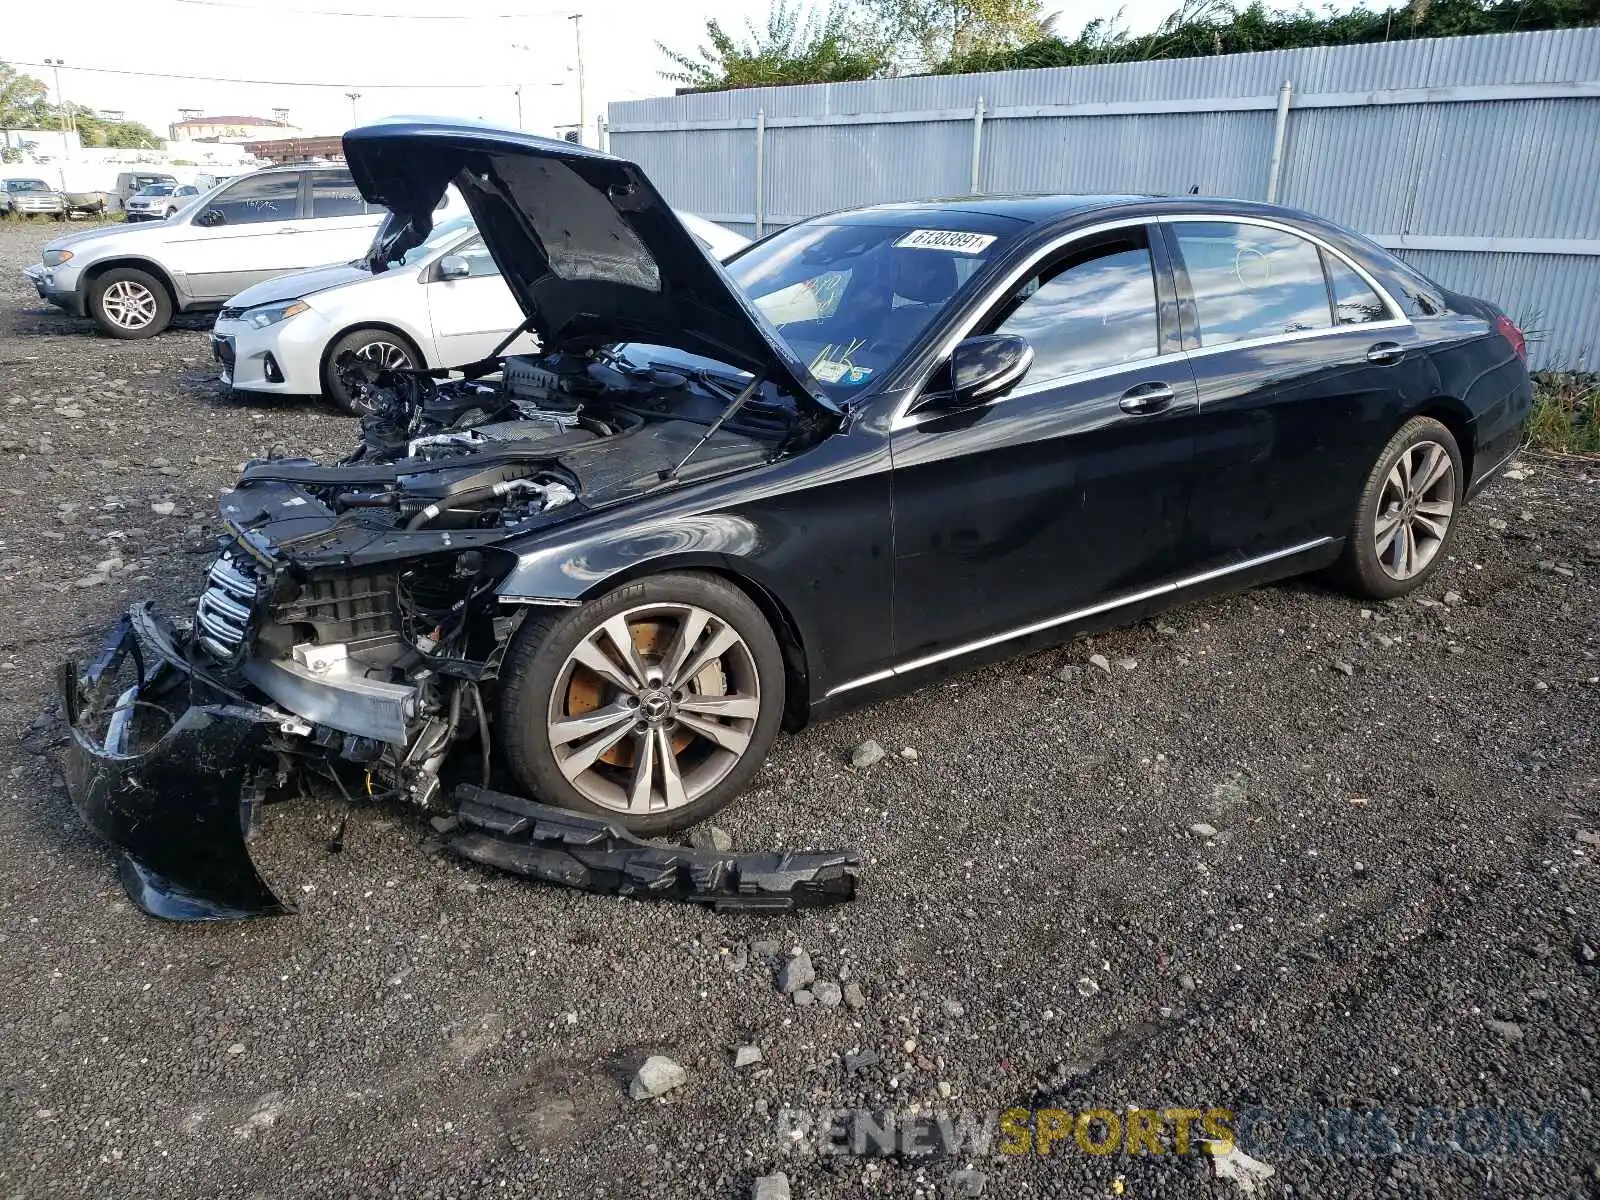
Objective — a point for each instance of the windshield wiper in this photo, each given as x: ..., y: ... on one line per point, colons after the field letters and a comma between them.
x: 738, y: 402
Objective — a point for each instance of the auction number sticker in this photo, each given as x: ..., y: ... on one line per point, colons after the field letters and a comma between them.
x: 954, y: 240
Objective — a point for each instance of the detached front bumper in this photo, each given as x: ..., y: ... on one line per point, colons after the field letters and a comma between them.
x: 167, y: 782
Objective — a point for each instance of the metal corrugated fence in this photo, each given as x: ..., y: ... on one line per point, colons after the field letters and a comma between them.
x: 1477, y: 159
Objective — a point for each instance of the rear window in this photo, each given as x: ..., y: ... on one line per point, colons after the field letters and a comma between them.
x: 1251, y: 281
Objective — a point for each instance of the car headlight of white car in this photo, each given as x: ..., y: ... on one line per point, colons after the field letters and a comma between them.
x: 272, y: 314
x: 54, y: 258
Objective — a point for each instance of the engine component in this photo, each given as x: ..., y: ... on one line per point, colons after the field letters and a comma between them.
x: 338, y: 696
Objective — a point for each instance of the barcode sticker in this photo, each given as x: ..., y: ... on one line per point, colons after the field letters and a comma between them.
x: 954, y: 240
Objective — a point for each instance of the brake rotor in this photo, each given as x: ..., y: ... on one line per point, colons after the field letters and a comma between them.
x: 586, y: 691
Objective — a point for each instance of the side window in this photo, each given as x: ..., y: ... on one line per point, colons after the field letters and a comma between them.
x: 261, y: 198
x: 1354, y: 303
x: 334, y: 194
x: 478, y: 258
x: 1095, y: 308
x: 1250, y: 281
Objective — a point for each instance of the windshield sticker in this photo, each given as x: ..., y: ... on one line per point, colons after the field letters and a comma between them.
x: 953, y: 240
x: 840, y: 370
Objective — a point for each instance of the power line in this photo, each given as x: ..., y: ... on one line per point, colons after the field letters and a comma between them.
x: 380, y: 16
x: 300, y: 83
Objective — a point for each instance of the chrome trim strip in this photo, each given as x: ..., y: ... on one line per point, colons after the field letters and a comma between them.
x: 1488, y: 471
x: 1302, y: 335
x: 1078, y: 615
x: 552, y: 601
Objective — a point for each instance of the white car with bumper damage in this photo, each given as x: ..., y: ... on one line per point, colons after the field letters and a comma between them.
x: 443, y: 306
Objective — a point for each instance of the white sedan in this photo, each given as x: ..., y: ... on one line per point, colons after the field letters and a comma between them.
x: 444, y: 305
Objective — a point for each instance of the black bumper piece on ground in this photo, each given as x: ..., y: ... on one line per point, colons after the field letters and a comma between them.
x: 557, y: 846
x: 172, y: 805
x: 168, y: 784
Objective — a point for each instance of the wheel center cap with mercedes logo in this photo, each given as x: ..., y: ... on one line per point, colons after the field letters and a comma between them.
x: 656, y: 704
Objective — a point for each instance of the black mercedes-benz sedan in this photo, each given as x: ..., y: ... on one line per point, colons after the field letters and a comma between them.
x: 878, y: 445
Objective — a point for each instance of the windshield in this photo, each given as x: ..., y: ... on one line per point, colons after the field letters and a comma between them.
x: 851, y: 299
x: 26, y: 185
x: 157, y: 189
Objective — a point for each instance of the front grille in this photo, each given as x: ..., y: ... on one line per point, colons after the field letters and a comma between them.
x: 222, y: 617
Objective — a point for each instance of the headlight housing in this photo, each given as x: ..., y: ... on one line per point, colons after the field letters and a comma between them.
x: 54, y: 258
x: 271, y: 314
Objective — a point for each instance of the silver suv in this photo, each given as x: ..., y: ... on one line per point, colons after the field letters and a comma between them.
x: 131, y: 279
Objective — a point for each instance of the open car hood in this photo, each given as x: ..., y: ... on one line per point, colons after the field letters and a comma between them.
x: 587, y: 245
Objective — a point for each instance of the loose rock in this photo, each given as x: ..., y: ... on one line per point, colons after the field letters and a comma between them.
x: 796, y: 973
x: 658, y: 1076
x: 828, y: 993
x: 963, y: 1185
x: 710, y: 837
x: 771, y: 1187
x: 866, y: 754
x: 747, y: 1056
x: 1101, y: 661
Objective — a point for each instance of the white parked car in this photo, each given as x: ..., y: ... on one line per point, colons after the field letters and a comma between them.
x: 159, y: 201
x: 132, y: 278
x: 445, y: 305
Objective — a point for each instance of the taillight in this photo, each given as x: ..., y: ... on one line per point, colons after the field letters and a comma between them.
x: 1507, y: 328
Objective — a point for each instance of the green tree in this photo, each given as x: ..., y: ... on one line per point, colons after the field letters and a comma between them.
x: 1207, y: 27
x: 926, y: 34
x: 23, y: 102
x: 798, y: 45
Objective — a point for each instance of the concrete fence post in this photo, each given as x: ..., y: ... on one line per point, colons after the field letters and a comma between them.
x: 977, y: 144
x: 761, y: 171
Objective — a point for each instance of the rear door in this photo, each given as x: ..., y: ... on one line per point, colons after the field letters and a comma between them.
x: 471, y: 315
x: 338, y: 224
x: 1068, y: 492
x: 1304, y: 371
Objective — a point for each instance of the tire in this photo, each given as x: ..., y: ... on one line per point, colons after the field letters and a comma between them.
x: 359, y: 340
x: 544, y: 683
x: 120, y: 297
x: 1414, y: 508
x: 171, y: 212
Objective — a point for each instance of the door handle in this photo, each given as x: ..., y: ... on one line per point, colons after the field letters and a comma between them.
x: 1147, y: 399
x: 1386, y: 353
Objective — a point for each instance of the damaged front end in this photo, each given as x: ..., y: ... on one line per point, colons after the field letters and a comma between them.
x: 349, y: 638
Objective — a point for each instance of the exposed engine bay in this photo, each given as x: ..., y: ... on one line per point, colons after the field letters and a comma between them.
x: 349, y: 634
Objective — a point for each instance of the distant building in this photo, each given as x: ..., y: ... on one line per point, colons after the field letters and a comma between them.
x: 297, y: 149
x: 229, y: 129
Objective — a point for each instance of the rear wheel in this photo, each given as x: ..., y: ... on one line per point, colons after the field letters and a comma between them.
x: 1405, y: 520
x: 129, y: 303
x: 652, y: 706
x: 382, y: 347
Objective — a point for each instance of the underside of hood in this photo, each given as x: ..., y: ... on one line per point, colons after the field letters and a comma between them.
x: 587, y: 245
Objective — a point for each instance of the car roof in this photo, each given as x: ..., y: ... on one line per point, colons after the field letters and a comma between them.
x: 1041, y: 209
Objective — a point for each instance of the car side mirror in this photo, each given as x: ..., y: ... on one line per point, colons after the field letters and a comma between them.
x: 453, y: 266
x: 211, y: 218
x: 982, y: 369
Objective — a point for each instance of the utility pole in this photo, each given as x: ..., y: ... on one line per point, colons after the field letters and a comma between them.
x: 577, y: 37
x: 68, y: 120
x: 519, y: 106
x: 352, y: 97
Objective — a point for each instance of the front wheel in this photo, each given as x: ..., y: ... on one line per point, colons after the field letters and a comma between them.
x: 1405, y: 520
x: 381, y: 347
x: 128, y: 303
x: 652, y: 706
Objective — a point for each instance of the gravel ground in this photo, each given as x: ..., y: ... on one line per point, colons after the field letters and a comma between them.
x: 1392, y: 900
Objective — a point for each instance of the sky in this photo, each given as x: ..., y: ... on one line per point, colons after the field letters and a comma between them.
x: 470, y: 54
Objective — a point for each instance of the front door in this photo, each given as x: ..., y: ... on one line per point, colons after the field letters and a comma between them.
x: 1304, y: 373
x: 1068, y: 492
x: 252, y: 236
x: 472, y: 314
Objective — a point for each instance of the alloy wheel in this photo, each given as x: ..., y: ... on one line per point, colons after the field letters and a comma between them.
x: 1415, y: 509
x: 128, y: 304
x: 653, y: 708
x: 386, y: 354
